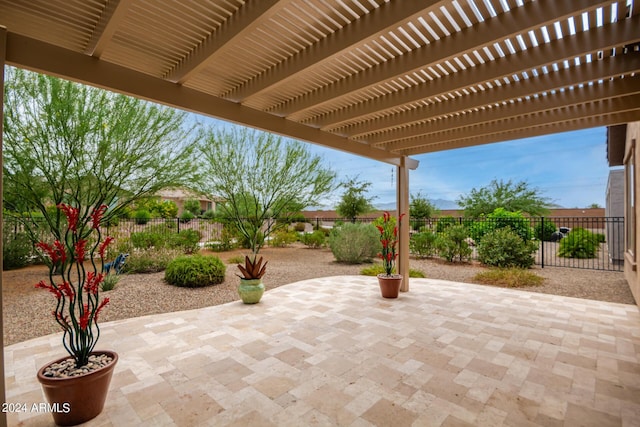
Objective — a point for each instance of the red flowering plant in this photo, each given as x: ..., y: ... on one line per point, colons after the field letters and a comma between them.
x: 75, y: 278
x: 389, y: 239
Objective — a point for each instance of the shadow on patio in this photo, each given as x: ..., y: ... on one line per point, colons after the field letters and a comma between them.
x: 331, y: 351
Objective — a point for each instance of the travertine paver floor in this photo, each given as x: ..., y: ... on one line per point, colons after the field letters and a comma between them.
x: 331, y: 351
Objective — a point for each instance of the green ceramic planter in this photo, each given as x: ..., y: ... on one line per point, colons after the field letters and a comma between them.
x: 251, y: 290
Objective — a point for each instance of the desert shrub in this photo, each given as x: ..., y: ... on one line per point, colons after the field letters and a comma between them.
x: 543, y: 231
x: 599, y: 237
x: 238, y: 259
x: 299, y: 227
x: 423, y: 244
x: 354, y: 243
x: 195, y: 271
x: 504, y: 248
x: 142, y: 216
x: 377, y: 268
x: 314, y: 240
x: 452, y: 243
x: 147, y: 239
x: 110, y: 281
x: 193, y: 206
x: 149, y: 260
x: 187, y: 240
x: 444, y: 223
x: 186, y: 216
x: 508, y: 277
x: 246, y: 244
x: 283, y: 238
x: 579, y: 243
x: 209, y: 214
x: 17, y: 250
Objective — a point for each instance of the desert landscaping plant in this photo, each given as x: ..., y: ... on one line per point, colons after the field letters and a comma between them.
x: 504, y: 248
x: 195, y: 271
x: 423, y: 244
x: 314, y: 240
x: 354, y: 243
x: 579, y: 243
x: 508, y: 277
x: 378, y: 268
x: 452, y: 243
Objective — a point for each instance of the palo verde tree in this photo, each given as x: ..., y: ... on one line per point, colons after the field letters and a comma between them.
x: 69, y: 143
x: 354, y: 201
x: 261, y: 177
x: 513, y: 197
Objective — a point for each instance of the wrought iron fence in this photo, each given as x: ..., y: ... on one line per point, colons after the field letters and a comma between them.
x: 548, y: 232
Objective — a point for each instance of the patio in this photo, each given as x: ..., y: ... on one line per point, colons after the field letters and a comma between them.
x: 331, y: 351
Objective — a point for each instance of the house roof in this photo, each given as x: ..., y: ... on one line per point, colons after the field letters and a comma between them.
x: 385, y: 79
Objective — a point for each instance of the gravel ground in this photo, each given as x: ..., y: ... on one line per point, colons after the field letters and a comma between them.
x: 26, y: 309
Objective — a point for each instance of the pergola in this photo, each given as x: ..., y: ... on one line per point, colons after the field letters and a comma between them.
x: 384, y: 79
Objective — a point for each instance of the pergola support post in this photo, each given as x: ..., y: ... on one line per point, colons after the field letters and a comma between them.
x: 3, y: 55
x: 402, y: 202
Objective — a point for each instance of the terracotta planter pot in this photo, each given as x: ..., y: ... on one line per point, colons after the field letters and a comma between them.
x: 251, y: 290
x: 78, y: 399
x: 389, y: 285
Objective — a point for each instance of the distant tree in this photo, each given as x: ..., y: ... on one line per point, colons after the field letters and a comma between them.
x: 511, y: 196
x: 66, y: 142
x: 260, y: 177
x: 421, y: 208
x: 594, y: 206
x: 354, y: 201
x: 193, y: 206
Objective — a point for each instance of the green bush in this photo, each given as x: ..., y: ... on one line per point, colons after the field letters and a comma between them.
x: 600, y: 238
x: 142, y: 216
x: 283, y: 238
x: 146, y: 240
x: 149, y: 260
x: 300, y: 226
x: 423, y: 244
x: 316, y: 239
x: 579, y: 243
x: 209, y: 214
x: 452, y: 243
x: 354, y: 243
x: 445, y: 222
x: 193, y: 206
x: 17, y: 250
x: 186, y: 240
x: 110, y: 281
x: 186, y: 216
x: 505, y: 248
x: 544, y: 232
x: 195, y: 271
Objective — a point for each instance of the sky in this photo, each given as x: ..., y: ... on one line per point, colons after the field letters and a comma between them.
x: 568, y: 168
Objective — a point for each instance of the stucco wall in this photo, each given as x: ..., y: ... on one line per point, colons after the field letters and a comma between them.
x: 630, y: 265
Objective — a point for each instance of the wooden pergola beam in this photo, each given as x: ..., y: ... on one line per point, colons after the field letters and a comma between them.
x: 112, y: 15
x: 603, y: 69
x: 248, y: 17
x: 395, y: 140
x: 590, y: 120
x: 379, y: 21
x: 580, y: 44
x: 503, y: 26
x: 42, y: 57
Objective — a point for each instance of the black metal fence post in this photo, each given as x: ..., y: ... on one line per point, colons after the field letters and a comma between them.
x: 542, y: 241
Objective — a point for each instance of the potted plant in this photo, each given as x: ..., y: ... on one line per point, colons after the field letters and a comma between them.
x: 251, y: 287
x: 389, y: 281
x: 76, y: 387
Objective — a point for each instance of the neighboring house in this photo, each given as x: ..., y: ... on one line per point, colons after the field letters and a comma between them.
x: 622, y: 150
x: 180, y: 195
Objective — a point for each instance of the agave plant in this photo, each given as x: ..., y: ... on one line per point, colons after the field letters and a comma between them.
x: 252, y: 269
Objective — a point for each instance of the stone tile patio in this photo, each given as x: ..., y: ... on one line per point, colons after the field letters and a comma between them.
x: 331, y: 351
